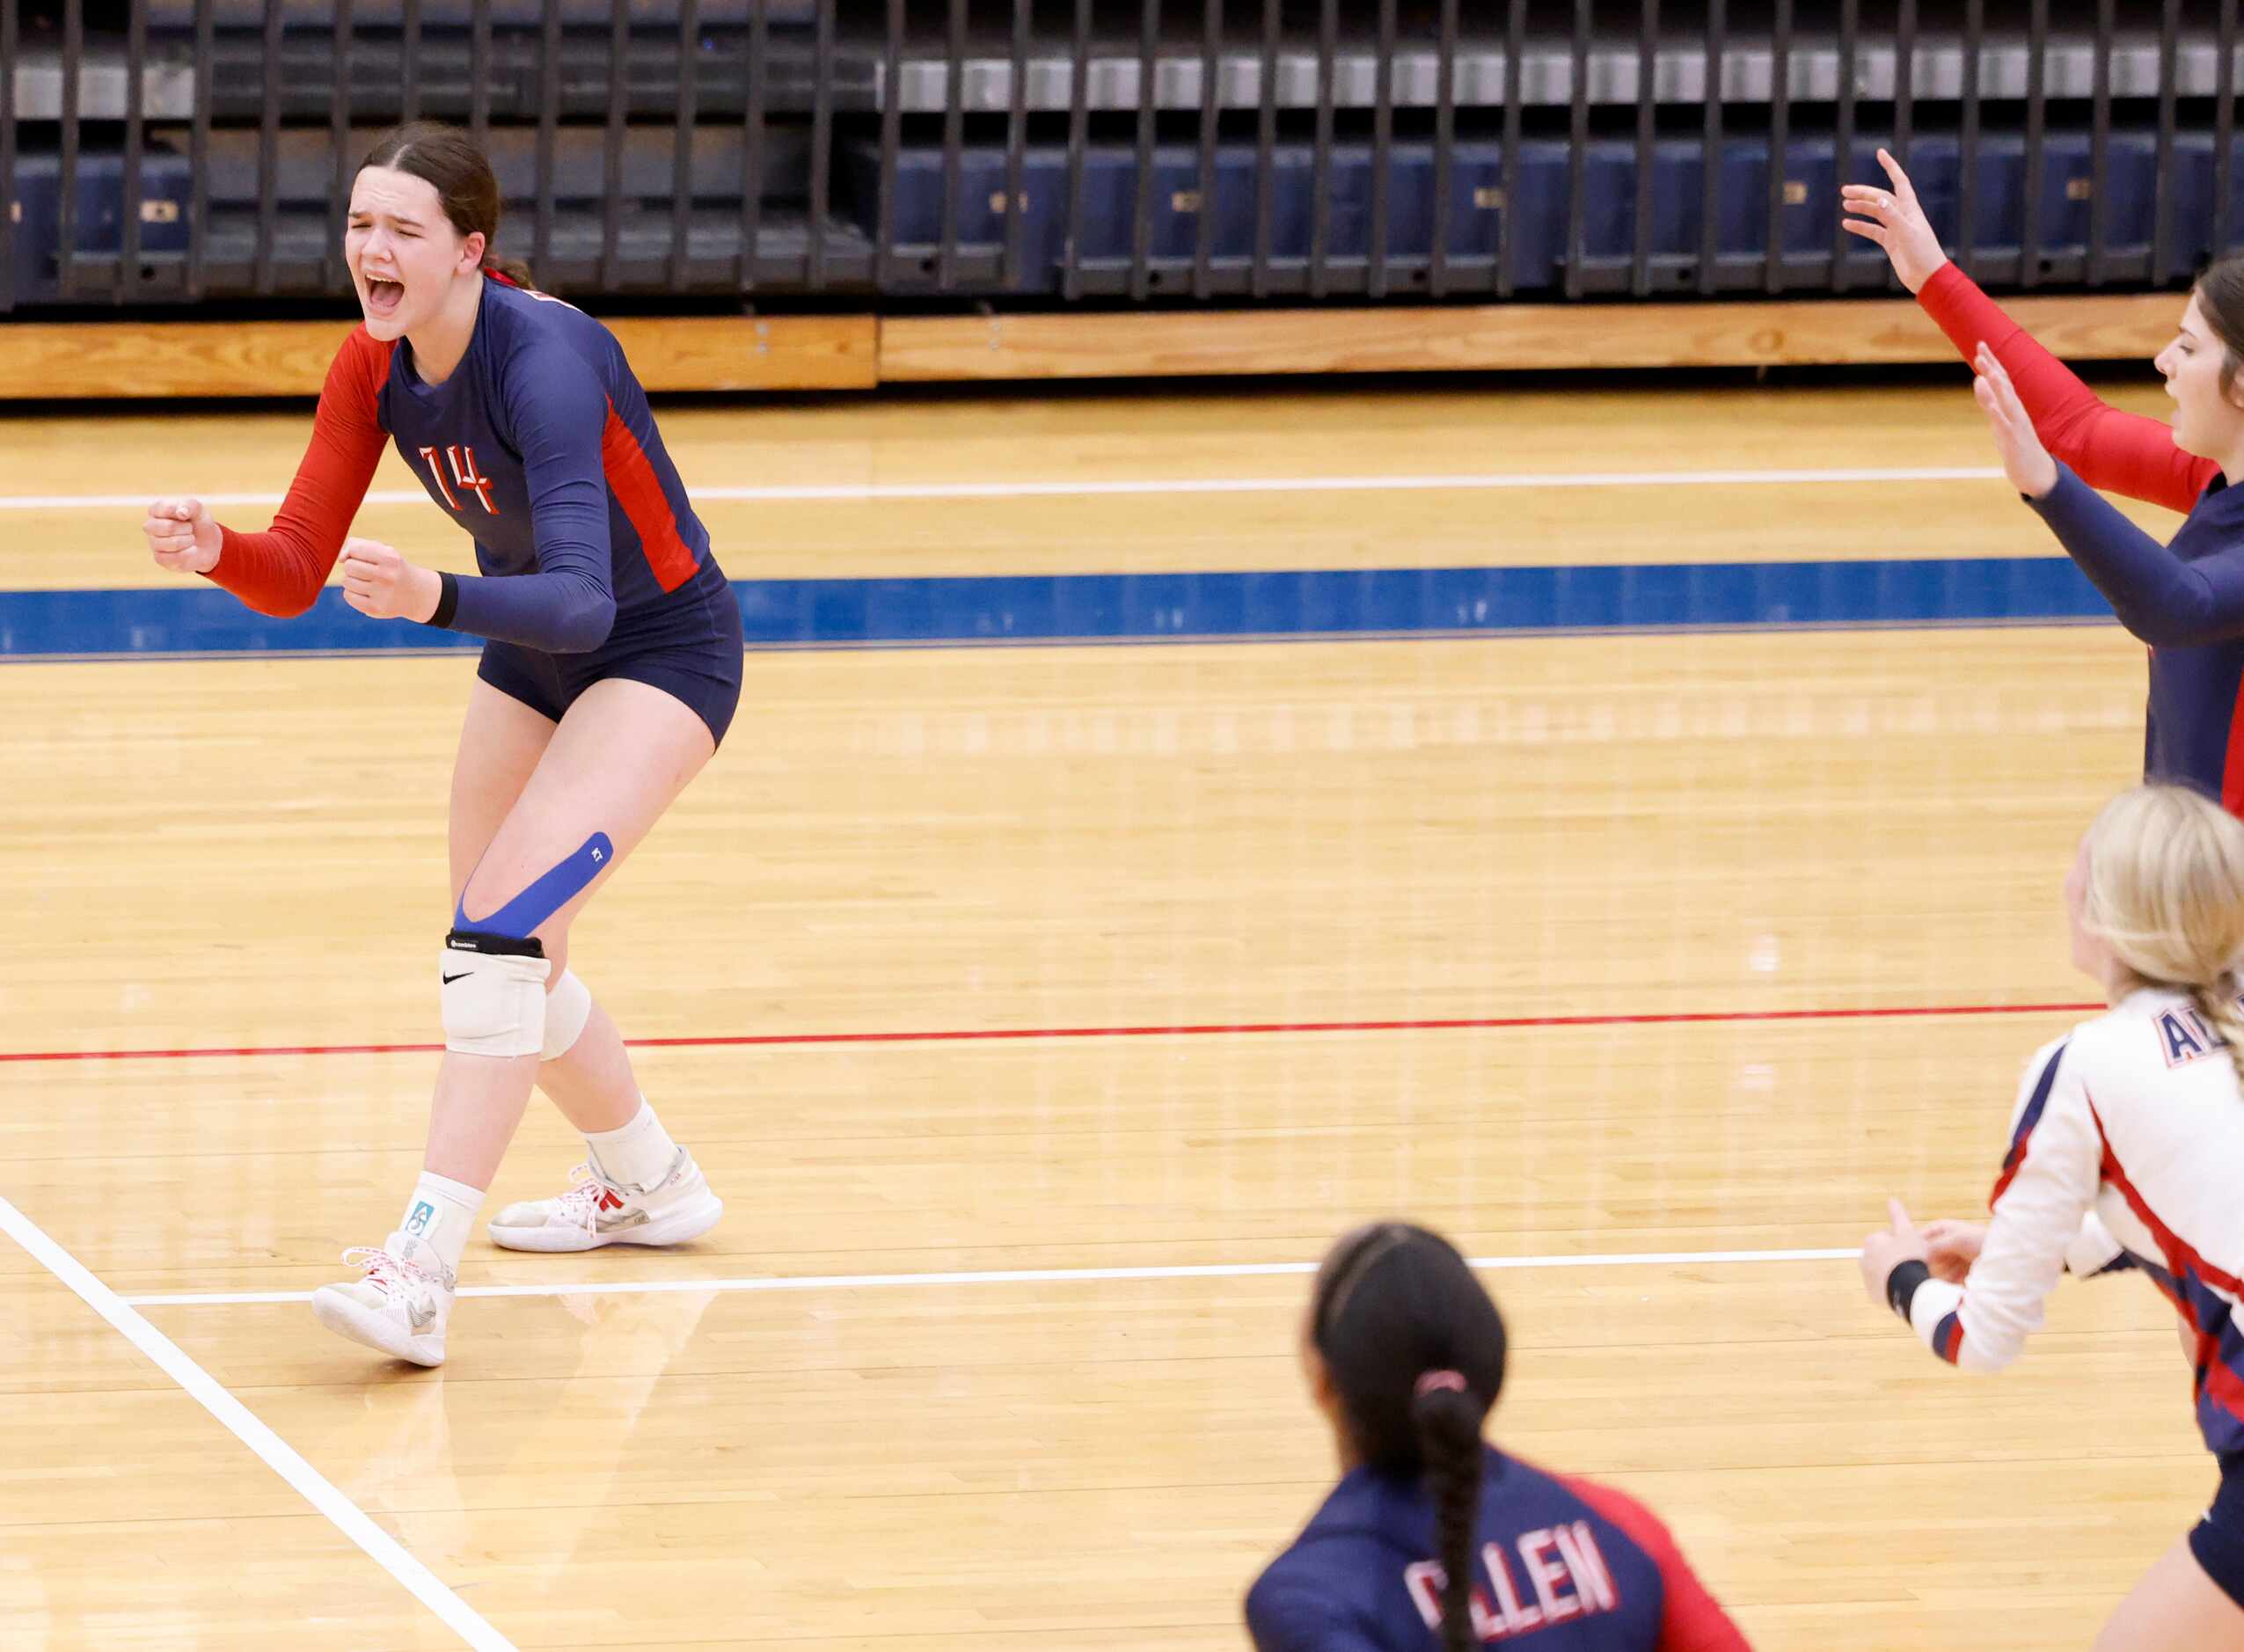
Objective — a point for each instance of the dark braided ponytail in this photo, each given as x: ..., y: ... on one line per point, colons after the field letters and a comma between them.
x: 1414, y: 1349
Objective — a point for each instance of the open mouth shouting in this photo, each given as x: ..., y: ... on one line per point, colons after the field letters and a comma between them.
x: 383, y: 294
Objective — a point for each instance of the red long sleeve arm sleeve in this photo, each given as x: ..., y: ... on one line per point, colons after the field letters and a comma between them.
x: 2123, y: 452
x: 280, y: 570
x: 1691, y: 1619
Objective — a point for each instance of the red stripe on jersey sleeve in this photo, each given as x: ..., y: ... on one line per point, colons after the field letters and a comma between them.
x: 280, y: 570
x: 1948, y: 1337
x: 631, y: 479
x: 2125, y: 452
x: 1691, y: 1618
x: 2232, y: 771
x: 2028, y: 1118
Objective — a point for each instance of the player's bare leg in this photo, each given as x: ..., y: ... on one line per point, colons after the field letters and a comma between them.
x: 606, y: 774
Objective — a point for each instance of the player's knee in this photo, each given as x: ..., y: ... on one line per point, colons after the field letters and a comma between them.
x: 493, y: 994
x: 568, y: 1006
x: 496, y: 967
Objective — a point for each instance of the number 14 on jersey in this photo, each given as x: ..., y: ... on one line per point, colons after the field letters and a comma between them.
x: 465, y: 477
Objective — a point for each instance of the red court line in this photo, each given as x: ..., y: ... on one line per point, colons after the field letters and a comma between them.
x: 991, y: 1033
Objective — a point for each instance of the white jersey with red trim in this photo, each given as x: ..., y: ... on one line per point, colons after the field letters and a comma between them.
x: 2126, y: 1150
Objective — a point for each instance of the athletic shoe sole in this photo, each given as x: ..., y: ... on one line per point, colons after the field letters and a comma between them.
x: 676, y: 1228
x: 378, y: 1331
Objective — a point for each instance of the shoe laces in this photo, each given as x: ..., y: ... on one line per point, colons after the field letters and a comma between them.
x: 588, y: 1191
x: 387, y: 1274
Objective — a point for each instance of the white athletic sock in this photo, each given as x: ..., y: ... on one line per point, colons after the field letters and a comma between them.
x: 441, y: 1214
x: 636, y: 1156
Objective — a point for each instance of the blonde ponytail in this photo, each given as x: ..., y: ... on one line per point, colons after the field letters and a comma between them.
x: 2217, y: 1005
x: 2166, y: 893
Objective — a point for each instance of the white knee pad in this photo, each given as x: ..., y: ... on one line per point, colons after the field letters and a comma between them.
x: 568, y: 1006
x: 494, y: 994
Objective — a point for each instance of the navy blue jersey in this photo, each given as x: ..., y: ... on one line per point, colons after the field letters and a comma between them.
x: 540, y: 445
x: 1562, y: 1565
x: 2186, y: 599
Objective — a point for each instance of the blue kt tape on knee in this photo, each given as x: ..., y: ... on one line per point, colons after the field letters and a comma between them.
x: 520, y: 917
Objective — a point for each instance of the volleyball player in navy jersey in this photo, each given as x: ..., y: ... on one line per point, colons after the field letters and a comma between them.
x: 1434, y: 1539
x: 610, y: 668
x: 2059, y: 441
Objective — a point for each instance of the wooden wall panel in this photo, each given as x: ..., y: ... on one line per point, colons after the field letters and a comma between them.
x: 1508, y: 336
x: 143, y: 360
x: 92, y: 360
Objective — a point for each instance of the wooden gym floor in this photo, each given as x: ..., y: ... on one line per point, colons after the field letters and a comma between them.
x: 994, y: 1346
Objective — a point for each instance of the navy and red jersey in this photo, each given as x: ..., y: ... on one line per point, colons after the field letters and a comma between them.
x: 2126, y: 1151
x: 1560, y: 1565
x: 2185, y: 598
x: 540, y: 445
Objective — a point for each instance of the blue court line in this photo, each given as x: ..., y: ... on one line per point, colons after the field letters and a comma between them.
x: 843, y: 613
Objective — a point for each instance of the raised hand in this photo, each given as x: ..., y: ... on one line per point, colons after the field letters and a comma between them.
x: 1892, y: 218
x: 2025, y: 461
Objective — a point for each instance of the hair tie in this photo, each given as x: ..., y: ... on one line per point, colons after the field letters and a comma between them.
x: 1432, y: 1381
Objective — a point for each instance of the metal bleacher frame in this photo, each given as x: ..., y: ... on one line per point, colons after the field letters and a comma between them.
x: 750, y: 153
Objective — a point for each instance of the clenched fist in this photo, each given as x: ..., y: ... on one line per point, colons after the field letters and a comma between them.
x: 183, y: 535
x: 377, y: 581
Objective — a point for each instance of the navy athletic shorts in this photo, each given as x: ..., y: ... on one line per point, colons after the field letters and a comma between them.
x: 2217, y: 1540
x: 689, y: 647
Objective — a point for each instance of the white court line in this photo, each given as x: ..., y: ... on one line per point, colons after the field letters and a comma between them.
x: 1016, y: 1276
x: 1155, y: 485
x: 279, y: 1455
